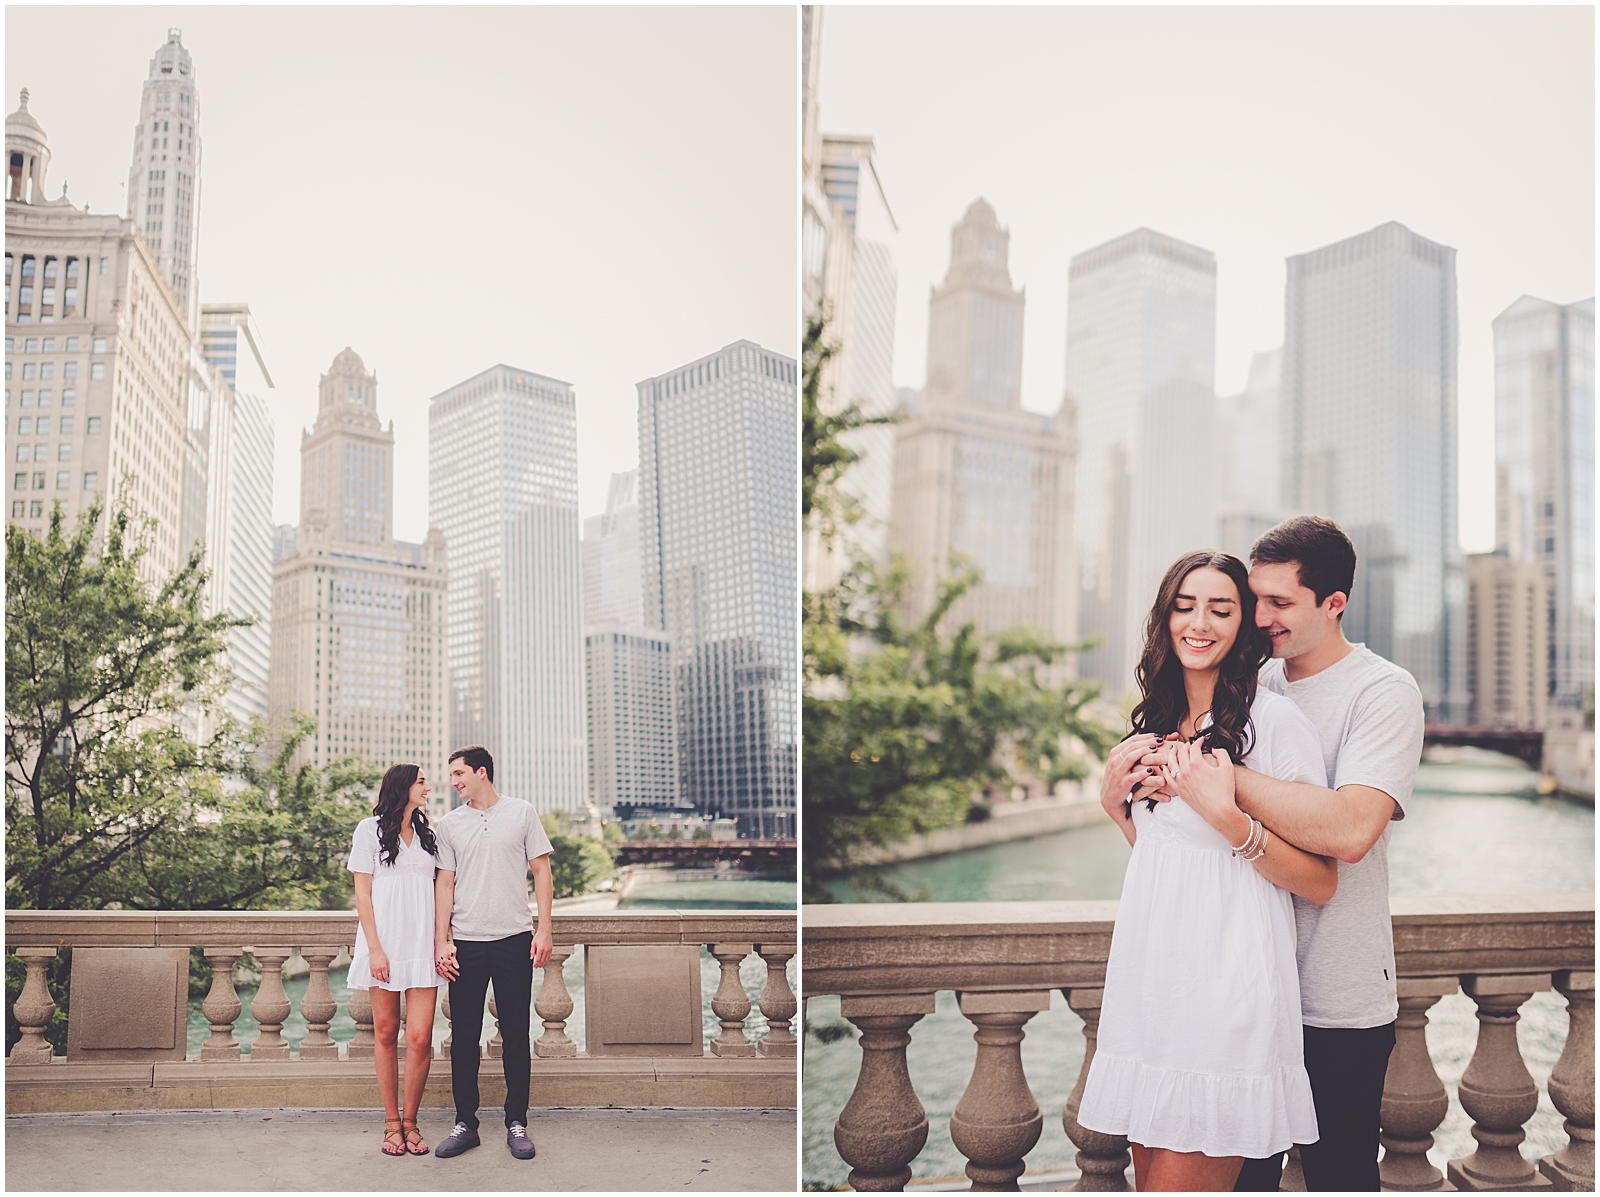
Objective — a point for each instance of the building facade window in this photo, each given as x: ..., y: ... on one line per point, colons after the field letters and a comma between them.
x: 97, y: 371
x: 63, y: 479
x: 91, y: 481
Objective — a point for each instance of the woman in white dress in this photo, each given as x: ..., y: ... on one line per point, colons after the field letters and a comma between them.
x: 393, y: 858
x: 1199, y: 1060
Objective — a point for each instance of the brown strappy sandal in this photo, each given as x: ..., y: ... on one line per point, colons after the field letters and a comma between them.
x: 394, y: 1128
x: 420, y: 1147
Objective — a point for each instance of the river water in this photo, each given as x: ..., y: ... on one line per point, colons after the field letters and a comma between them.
x: 1474, y: 826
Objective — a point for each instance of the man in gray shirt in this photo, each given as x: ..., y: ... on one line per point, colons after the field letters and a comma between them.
x: 1368, y: 716
x: 484, y: 932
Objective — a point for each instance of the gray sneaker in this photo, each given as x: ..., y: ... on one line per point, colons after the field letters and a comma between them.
x: 517, y: 1139
x: 461, y: 1138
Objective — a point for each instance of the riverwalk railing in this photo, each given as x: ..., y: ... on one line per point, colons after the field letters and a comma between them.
x: 643, y: 1013
x: 1002, y: 959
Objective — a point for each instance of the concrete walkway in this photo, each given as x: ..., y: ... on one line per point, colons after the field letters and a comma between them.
x: 193, y: 1151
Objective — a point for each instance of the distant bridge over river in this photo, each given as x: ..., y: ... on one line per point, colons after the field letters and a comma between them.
x: 1524, y: 743
x: 747, y: 855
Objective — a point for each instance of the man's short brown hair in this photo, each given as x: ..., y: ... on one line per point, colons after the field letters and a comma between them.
x: 477, y: 757
x: 1317, y: 547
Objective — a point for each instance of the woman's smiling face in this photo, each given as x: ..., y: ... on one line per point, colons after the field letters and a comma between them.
x: 1205, y: 619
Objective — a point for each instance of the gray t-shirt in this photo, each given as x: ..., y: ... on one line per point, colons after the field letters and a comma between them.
x: 1368, y: 715
x: 489, y: 851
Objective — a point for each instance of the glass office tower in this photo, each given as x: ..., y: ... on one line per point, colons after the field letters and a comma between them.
x: 717, y: 493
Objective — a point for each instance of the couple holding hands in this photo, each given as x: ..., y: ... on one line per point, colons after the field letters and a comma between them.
x: 450, y: 902
x: 1250, y: 995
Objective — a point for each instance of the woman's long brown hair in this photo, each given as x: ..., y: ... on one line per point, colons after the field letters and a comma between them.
x: 393, y: 795
x: 1160, y: 674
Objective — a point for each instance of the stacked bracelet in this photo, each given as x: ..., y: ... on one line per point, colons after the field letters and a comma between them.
x: 1255, y: 844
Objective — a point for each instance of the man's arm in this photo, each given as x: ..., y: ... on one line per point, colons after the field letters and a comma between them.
x: 1343, y: 823
x: 544, y: 892
x: 444, y: 900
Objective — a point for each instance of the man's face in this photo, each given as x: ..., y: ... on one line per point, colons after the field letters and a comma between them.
x: 1288, y: 612
x: 463, y: 780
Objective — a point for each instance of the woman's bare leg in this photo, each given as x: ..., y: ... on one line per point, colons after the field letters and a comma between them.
x: 1141, y: 1166
x: 420, y: 1005
x: 385, y: 1052
x: 1186, y: 1171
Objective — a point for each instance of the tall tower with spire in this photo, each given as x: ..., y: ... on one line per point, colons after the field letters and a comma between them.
x: 358, y: 618
x: 976, y: 475
x: 164, y: 180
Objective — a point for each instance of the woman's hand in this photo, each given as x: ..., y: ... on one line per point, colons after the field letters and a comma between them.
x: 378, y: 963
x: 1205, y: 781
x: 1126, y: 775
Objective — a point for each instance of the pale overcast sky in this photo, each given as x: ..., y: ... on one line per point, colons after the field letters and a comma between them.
x: 594, y: 194
x: 1256, y: 133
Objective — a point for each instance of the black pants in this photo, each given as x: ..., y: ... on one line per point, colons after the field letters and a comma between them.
x: 1346, y: 1067
x: 508, y: 963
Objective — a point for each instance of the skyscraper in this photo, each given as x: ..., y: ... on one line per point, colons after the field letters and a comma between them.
x: 717, y: 544
x: 358, y: 618
x: 632, y: 718
x: 1507, y: 659
x: 860, y: 299
x: 611, y: 586
x: 503, y: 486
x: 239, y: 531
x: 974, y: 473
x: 97, y: 358
x: 1544, y: 454
x: 164, y: 179
x: 1140, y: 371
x: 1247, y: 483
x: 1368, y: 429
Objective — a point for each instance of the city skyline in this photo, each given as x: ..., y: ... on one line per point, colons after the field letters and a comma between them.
x: 1493, y: 156
x: 647, y: 190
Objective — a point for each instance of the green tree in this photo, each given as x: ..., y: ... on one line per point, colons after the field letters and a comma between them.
x: 112, y: 798
x: 578, y: 864
x: 903, y: 722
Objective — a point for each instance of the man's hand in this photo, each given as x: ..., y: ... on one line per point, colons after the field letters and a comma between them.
x: 1205, y: 781
x: 543, y: 944
x: 444, y: 961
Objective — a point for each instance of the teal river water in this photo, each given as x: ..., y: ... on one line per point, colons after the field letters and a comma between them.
x: 683, y: 895
x: 1474, y: 826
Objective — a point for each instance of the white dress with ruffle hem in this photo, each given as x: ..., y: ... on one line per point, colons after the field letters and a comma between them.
x: 1200, y: 1045
x: 402, y: 908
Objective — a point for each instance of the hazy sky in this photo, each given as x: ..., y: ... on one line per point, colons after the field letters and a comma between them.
x: 1256, y: 133
x: 598, y: 195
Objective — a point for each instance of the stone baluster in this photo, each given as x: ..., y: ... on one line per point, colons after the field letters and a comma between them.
x: 318, y: 1006
x: 1102, y: 1159
x: 365, y: 1043
x: 444, y: 1004
x: 1496, y: 1089
x: 271, y: 1006
x: 1571, y: 1170
x: 222, y: 1005
x: 731, y: 1004
x: 554, y: 1006
x: 997, y: 1121
x: 1414, y: 1099
x: 496, y: 1044
x: 34, y: 1009
x: 778, y: 1004
x: 883, y: 1126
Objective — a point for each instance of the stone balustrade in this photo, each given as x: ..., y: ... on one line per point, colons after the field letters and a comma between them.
x: 886, y: 963
x: 128, y: 1011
